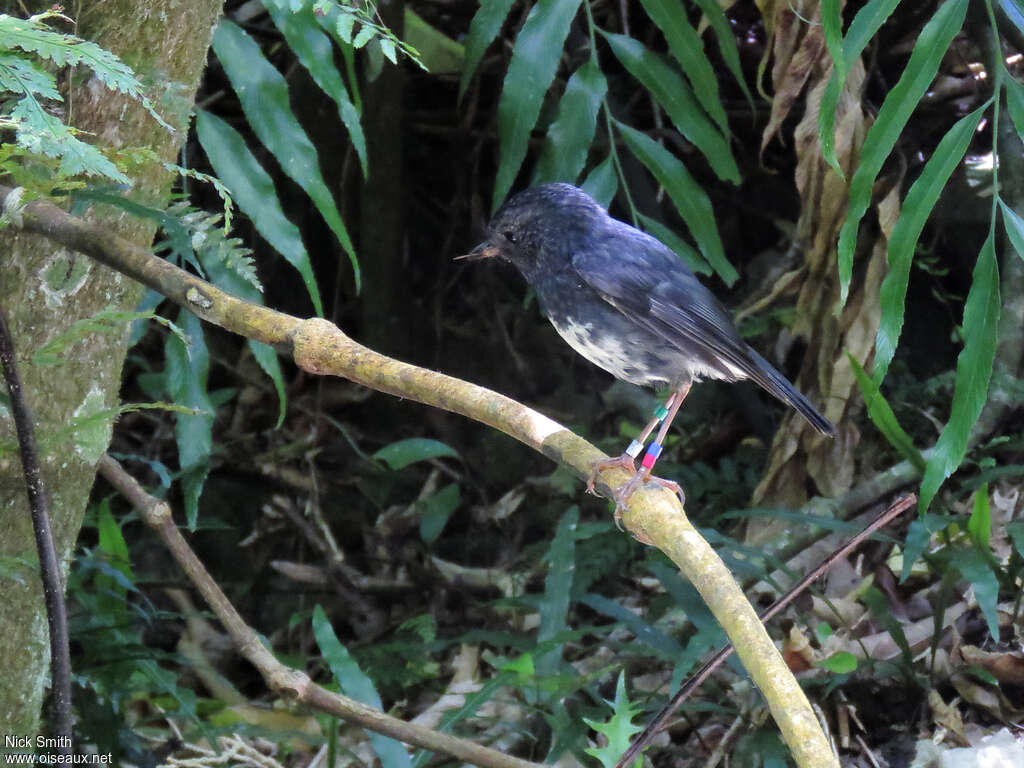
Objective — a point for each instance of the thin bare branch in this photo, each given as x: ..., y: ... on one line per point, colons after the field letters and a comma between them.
x: 49, y: 568
x: 287, y: 682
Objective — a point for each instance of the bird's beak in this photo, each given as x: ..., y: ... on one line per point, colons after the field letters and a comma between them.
x: 486, y: 250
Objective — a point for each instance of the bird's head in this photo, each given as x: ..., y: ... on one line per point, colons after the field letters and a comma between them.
x: 532, y: 229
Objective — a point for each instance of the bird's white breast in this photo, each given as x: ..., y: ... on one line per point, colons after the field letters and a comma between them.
x: 612, y: 354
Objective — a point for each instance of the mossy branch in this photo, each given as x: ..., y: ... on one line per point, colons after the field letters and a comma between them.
x: 652, y: 514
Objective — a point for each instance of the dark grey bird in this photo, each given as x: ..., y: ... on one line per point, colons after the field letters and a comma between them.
x: 629, y: 305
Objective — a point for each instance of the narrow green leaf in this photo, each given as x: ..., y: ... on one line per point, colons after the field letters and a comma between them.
x: 686, y: 48
x: 532, y: 69
x: 919, y: 534
x: 1015, y: 102
x: 571, y: 134
x: 356, y: 684
x: 554, y: 604
x: 483, y: 29
x: 687, y: 598
x: 1014, y: 12
x: 112, y: 543
x: 882, y: 416
x: 690, y: 200
x: 974, y: 566
x: 973, y: 371
x: 665, y: 645
x: 832, y: 25
x: 266, y: 358
x: 345, y: 669
x: 435, y: 510
x: 709, y: 632
x: 331, y: 23
x: 863, y: 27
x: 187, y: 372
x: 917, y: 208
x: 438, y: 53
x: 881, y: 609
x: 726, y: 43
x: 980, y: 524
x: 263, y: 93
x: 602, y: 182
x: 253, y: 191
x: 113, y: 578
x: 314, y: 51
x: 674, y: 96
x: 1016, y: 532
x: 1014, y: 226
x: 471, y: 704
x: 682, y: 249
x: 192, y: 483
x: 400, y: 454
x: 900, y: 102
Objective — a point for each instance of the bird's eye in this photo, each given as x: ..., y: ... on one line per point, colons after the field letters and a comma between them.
x: 509, y: 235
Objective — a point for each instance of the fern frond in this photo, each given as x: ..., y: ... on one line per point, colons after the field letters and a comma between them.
x: 32, y: 36
x: 37, y: 129
x: 212, y: 245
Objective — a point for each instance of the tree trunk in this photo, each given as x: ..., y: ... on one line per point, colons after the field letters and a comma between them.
x: 46, y: 289
x: 387, y: 306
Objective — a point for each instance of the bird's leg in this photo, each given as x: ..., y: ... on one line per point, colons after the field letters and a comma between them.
x: 629, y: 455
x: 643, y: 475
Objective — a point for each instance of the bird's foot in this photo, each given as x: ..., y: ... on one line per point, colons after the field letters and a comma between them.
x: 640, y: 478
x: 625, y: 461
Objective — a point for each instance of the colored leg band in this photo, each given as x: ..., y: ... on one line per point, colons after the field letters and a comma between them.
x: 653, y: 452
x: 660, y: 412
x: 634, y: 448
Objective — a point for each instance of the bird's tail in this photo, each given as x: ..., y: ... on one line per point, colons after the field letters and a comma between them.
x: 778, y: 385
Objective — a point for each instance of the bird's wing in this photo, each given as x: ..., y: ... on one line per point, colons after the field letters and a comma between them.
x: 648, y: 283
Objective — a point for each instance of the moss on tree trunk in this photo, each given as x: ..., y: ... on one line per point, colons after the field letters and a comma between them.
x: 46, y: 289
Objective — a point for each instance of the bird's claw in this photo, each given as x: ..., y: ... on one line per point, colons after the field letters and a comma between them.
x: 670, y: 485
x: 643, y: 477
x: 625, y: 461
x: 640, y: 478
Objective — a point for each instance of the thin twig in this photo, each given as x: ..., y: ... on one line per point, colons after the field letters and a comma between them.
x: 724, y: 653
x: 49, y: 568
x: 289, y: 683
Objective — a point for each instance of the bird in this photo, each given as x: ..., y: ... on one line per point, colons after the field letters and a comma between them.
x: 629, y: 305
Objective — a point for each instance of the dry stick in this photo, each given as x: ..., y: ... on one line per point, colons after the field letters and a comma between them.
x: 317, y: 346
x: 695, y: 681
x: 49, y: 568
x: 289, y: 683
